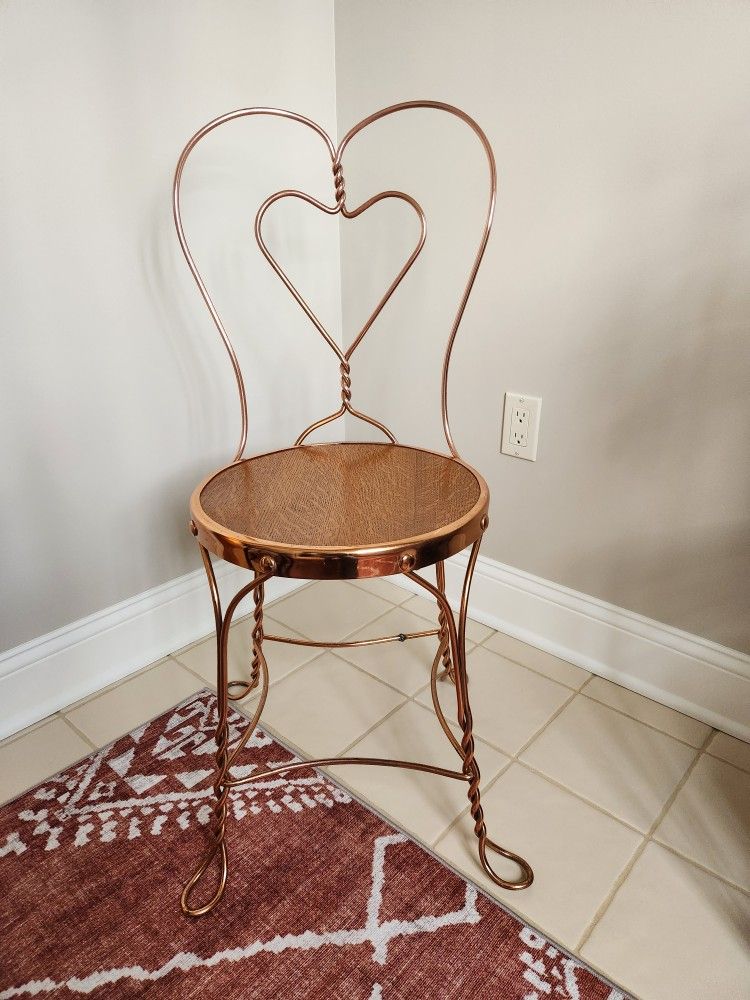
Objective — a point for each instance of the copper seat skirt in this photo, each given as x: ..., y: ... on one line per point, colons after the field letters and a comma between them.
x: 337, y: 511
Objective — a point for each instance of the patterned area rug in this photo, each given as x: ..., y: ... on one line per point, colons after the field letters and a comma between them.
x: 325, y: 900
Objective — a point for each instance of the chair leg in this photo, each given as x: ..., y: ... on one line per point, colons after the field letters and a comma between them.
x: 217, y: 829
x: 258, y: 595
x: 457, y: 640
x: 223, y: 758
x: 444, y: 649
x: 241, y: 689
x: 471, y: 767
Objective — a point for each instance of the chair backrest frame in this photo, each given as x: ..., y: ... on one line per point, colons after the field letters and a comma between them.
x: 336, y: 154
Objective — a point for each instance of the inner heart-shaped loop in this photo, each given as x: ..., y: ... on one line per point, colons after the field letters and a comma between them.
x: 343, y: 356
x: 336, y: 153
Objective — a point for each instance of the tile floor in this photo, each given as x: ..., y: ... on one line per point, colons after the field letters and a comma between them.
x: 635, y: 818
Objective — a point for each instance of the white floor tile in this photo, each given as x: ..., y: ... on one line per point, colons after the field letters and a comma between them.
x: 121, y: 709
x: 326, y: 705
x: 423, y: 804
x: 382, y: 587
x: 728, y: 748
x: 329, y: 610
x: 682, y: 727
x: 281, y: 657
x: 37, y: 755
x: 426, y: 608
x: 544, y: 663
x: 404, y: 665
x: 709, y: 820
x: 673, y: 932
x: 509, y: 703
x: 27, y: 730
x: 620, y: 764
x: 576, y: 851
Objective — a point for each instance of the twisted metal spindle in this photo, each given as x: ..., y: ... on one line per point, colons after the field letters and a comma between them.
x: 346, y: 383
x: 338, y: 182
x: 447, y: 671
x: 470, y: 768
x: 258, y: 596
x: 236, y: 690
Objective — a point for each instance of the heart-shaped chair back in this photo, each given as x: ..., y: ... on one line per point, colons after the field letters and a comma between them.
x: 338, y: 207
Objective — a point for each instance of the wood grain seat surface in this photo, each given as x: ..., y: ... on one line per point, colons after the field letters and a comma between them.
x: 335, y: 504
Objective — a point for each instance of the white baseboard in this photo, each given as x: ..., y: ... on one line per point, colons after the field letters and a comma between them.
x: 686, y: 672
x: 46, y: 674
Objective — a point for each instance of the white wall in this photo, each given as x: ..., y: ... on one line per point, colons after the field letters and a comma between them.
x: 616, y: 285
x: 117, y: 395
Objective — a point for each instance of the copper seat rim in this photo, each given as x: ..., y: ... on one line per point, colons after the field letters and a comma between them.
x: 470, y: 521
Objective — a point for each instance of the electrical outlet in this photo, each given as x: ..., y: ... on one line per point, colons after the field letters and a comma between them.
x: 521, y: 426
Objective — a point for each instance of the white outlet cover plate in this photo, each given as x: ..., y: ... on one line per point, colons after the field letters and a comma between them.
x: 521, y: 415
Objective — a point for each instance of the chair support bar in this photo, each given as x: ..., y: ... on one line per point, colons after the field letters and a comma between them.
x: 400, y: 637
x: 299, y: 765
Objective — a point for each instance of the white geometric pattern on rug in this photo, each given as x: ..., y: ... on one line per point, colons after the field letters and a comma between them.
x: 549, y: 972
x: 79, y: 803
x: 377, y: 934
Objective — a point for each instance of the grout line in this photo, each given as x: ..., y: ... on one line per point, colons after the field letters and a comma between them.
x: 320, y: 652
x: 372, y: 677
x: 344, y: 637
x: 513, y: 759
x: 357, y: 586
x: 454, y: 725
x: 29, y: 730
x: 697, y: 864
x: 620, y: 881
x: 203, y: 638
x: 344, y: 661
x: 209, y: 684
x: 723, y: 760
x: 111, y: 687
x: 532, y: 670
x: 524, y: 746
x: 271, y: 682
x: 367, y: 732
x: 79, y: 732
x: 646, y: 836
x: 520, y: 663
x: 466, y: 809
x: 435, y: 623
x: 550, y: 720
x: 649, y: 725
x: 581, y: 798
x: 608, y: 899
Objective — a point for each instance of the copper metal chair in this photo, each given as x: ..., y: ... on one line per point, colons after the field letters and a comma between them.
x: 340, y: 511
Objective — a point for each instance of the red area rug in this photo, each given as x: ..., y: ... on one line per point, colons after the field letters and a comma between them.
x: 325, y: 899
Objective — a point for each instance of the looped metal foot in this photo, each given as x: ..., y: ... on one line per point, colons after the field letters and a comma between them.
x: 528, y: 873
x: 237, y: 690
x: 200, y: 871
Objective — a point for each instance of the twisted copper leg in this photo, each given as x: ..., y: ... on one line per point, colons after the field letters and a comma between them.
x: 466, y: 750
x: 241, y: 689
x: 444, y: 649
x: 224, y: 759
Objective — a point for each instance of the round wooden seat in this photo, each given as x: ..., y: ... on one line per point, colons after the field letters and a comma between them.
x: 334, y: 511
